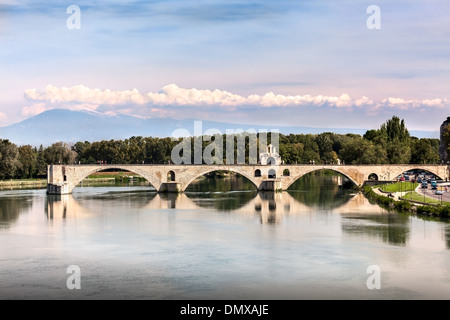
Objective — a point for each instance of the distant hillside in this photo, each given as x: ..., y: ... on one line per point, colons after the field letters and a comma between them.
x: 72, y: 126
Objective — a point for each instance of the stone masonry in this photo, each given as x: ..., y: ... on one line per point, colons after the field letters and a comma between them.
x: 62, y: 179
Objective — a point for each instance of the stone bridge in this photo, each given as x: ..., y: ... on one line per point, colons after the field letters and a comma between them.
x: 62, y: 179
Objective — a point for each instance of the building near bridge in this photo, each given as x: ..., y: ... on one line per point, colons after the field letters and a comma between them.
x: 270, y: 157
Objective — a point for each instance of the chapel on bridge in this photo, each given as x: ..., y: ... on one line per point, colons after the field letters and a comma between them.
x: 270, y: 157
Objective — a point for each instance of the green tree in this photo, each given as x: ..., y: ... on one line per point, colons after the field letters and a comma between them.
x: 372, y: 135
x: 362, y: 151
x: 424, y: 151
x: 59, y: 153
x: 310, y: 148
x: 135, y: 149
x: 397, y: 140
x: 41, y: 165
x: 325, y: 144
x: 27, y: 158
x: 9, y: 163
x: 395, y: 129
x: 82, y: 150
x: 291, y: 153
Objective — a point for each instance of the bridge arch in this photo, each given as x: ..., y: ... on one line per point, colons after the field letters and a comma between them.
x: 196, y: 176
x: 170, y: 176
x: 414, y: 167
x: 86, y: 173
x: 296, y: 177
x: 272, y: 174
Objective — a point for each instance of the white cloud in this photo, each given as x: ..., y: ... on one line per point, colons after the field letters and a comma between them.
x: 364, y: 101
x: 34, y: 109
x: 176, y: 96
x: 408, y: 104
x: 81, y: 97
x: 40, y: 107
x: 83, y: 94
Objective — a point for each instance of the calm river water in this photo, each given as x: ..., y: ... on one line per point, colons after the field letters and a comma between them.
x: 213, y: 242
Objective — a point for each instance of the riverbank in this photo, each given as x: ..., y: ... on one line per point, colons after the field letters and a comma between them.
x: 38, y: 183
x: 98, y: 178
x: 389, y: 200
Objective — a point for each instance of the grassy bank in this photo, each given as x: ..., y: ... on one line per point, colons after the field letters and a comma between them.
x: 23, y: 183
x: 414, y: 196
x: 114, y: 176
x: 399, y: 186
x: 99, y: 177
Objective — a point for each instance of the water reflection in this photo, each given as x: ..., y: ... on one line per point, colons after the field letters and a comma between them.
x: 214, y: 193
x: 222, y: 183
x: 270, y: 207
x: 392, y: 228
x: 134, y: 197
x: 12, y: 206
x: 69, y: 206
x: 357, y: 216
x: 320, y: 189
x: 134, y: 243
x: 447, y: 236
x: 225, y: 193
x: 55, y: 203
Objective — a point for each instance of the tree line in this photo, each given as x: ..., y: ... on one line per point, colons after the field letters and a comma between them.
x: 390, y: 144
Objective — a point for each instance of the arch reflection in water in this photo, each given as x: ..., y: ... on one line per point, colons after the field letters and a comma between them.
x: 223, y: 191
x: 323, y: 189
x: 270, y: 207
x: 357, y: 217
x: 77, y: 204
x: 218, y: 194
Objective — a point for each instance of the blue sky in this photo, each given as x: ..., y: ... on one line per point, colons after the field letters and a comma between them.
x: 305, y: 63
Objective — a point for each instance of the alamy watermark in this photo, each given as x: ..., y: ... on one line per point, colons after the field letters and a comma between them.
x: 74, y: 280
x: 214, y: 151
x: 374, y: 280
x: 74, y: 20
x: 374, y: 20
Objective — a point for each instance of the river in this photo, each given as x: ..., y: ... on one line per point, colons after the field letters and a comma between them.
x: 317, y: 241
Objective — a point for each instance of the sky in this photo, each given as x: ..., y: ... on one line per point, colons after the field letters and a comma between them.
x: 313, y: 63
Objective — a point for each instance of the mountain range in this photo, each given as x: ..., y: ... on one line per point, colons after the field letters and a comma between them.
x: 72, y: 126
